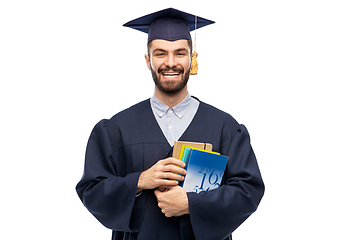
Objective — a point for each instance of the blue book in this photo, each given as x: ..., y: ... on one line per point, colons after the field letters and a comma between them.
x: 204, y: 171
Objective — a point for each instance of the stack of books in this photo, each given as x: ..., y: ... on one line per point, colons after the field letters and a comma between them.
x: 204, y: 167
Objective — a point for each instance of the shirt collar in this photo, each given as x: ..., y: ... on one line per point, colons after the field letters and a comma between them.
x: 161, y: 109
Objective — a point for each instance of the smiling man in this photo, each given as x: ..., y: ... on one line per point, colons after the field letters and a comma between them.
x: 129, y: 182
x: 169, y: 63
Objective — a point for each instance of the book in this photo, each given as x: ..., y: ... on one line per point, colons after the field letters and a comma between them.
x: 179, y: 144
x: 179, y: 148
x: 184, y: 152
x: 204, y: 171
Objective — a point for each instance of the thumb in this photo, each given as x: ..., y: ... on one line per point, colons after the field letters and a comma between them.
x: 163, y: 188
x: 157, y: 192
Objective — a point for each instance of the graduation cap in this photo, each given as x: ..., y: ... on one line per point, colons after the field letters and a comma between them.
x: 170, y: 24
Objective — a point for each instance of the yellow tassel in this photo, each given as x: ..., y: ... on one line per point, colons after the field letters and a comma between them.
x: 194, y: 64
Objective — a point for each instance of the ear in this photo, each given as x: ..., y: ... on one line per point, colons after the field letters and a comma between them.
x: 148, y: 61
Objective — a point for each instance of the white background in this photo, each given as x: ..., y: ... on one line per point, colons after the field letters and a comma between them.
x: 275, y: 66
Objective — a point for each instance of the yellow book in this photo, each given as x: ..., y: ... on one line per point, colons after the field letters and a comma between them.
x: 179, y: 144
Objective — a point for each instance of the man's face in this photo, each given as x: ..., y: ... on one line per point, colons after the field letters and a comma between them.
x: 169, y: 63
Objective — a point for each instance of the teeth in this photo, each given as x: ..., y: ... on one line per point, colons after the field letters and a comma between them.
x: 171, y: 74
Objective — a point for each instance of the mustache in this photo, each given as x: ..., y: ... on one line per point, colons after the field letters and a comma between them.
x: 174, y: 69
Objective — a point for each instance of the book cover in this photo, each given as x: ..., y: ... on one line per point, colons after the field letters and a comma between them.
x: 184, y: 152
x: 204, y: 171
x: 178, y: 146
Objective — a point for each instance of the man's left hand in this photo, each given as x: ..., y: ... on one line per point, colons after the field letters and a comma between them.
x: 173, y: 201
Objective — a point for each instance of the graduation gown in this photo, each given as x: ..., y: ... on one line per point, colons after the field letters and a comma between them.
x: 130, y: 142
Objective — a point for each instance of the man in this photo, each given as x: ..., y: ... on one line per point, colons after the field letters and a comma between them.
x: 129, y: 182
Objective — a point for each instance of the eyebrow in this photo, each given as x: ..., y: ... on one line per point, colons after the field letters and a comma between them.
x: 181, y: 50
x: 159, y: 50
x: 163, y: 50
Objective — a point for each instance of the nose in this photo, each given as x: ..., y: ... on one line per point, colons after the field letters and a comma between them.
x: 171, y: 61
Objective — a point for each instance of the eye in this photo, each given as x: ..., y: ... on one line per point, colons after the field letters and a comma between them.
x: 159, y: 54
x: 181, y: 53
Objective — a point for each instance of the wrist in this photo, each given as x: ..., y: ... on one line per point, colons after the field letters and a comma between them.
x: 139, y: 184
x: 186, y: 208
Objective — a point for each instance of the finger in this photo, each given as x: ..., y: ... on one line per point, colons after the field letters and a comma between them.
x: 172, y: 176
x: 167, y: 182
x: 174, y: 169
x: 174, y: 161
x: 157, y: 193
x: 163, y: 188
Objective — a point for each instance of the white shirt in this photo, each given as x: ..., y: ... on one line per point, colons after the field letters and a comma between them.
x: 174, y: 121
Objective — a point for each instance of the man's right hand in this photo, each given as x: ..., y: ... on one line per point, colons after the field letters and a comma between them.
x: 163, y: 173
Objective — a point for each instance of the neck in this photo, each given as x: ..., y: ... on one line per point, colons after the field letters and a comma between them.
x: 171, y: 100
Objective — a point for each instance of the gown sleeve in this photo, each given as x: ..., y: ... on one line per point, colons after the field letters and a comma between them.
x: 217, y: 213
x: 109, y: 197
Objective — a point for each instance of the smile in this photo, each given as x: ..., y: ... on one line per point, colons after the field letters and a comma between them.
x: 170, y: 74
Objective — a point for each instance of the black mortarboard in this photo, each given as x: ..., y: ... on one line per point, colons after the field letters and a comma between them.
x: 169, y: 24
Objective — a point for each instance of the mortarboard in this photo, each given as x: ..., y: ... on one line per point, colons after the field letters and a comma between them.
x: 170, y: 24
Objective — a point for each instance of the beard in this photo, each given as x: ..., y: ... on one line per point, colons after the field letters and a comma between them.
x: 171, y: 87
